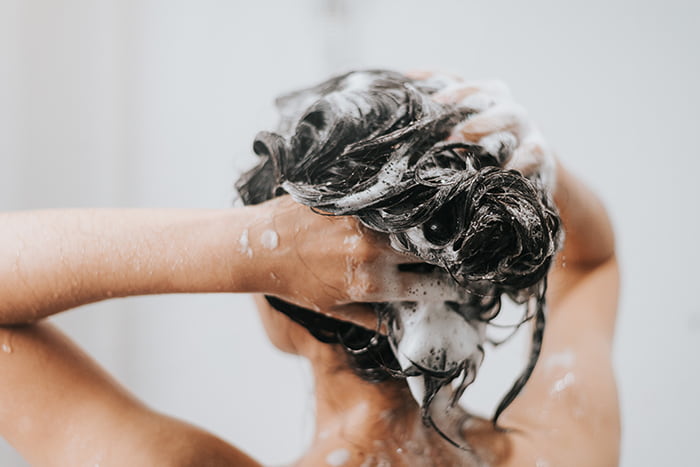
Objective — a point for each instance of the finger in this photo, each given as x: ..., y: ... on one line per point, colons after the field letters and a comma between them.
x: 394, y: 257
x: 463, y: 93
x: 501, y: 144
x: 499, y: 118
x: 435, y: 287
x: 409, y: 286
x: 534, y: 156
x: 478, y: 101
x: 419, y: 74
x: 359, y: 314
x: 455, y: 94
x: 387, y: 253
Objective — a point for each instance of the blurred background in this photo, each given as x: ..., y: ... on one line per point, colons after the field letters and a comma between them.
x: 154, y: 103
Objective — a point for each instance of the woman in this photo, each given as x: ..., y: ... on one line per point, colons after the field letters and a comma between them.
x: 62, y: 410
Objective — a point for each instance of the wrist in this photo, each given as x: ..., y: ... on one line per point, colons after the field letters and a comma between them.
x: 258, y: 253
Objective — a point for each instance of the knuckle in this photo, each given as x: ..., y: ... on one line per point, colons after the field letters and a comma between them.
x: 359, y: 290
x: 479, y: 101
x: 365, y: 252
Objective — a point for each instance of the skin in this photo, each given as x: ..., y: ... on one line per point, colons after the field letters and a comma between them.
x: 57, y: 407
x: 568, y: 414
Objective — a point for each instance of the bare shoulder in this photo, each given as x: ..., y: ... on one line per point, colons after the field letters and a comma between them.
x: 568, y: 413
x: 170, y: 442
x: 61, y: 408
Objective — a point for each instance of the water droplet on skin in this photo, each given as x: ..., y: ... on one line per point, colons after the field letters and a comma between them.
x: 6, y: 348
x: 563, y: 383
x: 269, y: 239
x: 352, y: 240
x: 338, y: 457
x: 243, y: 244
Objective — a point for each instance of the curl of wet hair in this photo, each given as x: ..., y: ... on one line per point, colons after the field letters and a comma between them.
x: 372, y: 145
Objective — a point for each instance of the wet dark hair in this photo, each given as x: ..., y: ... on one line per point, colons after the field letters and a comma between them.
x: 372, y: 144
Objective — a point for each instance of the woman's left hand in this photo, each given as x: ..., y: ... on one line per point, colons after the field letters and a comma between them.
x: 498, y: 122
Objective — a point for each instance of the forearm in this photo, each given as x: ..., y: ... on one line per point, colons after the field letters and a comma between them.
x: 56, y: 260
x: 589, y: 237
x: 59, y: 407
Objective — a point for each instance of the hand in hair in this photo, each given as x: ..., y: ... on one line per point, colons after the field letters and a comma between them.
x: 325, y: 263
x: 55, y: 260
x: 500, y: 125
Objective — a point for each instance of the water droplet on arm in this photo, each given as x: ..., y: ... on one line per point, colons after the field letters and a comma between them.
x: 269, y: 239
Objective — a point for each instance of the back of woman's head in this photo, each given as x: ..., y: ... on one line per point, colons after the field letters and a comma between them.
x: 373, y: 145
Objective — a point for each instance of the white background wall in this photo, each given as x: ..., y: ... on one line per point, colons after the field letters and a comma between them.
x: 155, y: 103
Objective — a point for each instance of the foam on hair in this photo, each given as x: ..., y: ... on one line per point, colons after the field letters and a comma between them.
x: 372, y: 144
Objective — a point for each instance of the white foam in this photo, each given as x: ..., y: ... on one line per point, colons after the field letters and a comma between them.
x: 563, y: 383
x: 439, y: 81
x: 338, y: 457
x: 388, y: 177
x: 416, y: 384
x: 494, y: 142
x: 434, y: 287
x: 269, y: 239
x: 358, y: 82
x: 478, y: 101
x: 352, y: 239
x: 244, y: 245
x: 425, y: 249
x: 433, y: 336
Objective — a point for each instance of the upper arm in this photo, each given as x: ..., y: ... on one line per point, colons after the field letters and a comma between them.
x: 569, y: 409
x: 58, y: 407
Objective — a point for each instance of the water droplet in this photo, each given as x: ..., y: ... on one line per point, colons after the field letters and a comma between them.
x: 338, y: 457
x: 269, y: 239
x: 6, y: 348
x: 563, y: 383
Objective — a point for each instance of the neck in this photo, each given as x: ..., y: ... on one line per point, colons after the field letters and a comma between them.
x: 360, y: 409
x: 381, y: 418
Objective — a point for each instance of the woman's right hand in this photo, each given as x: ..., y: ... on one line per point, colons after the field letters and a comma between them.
x: 330, y: 263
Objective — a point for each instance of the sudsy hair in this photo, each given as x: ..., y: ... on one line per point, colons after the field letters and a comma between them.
x: 371, y: 144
